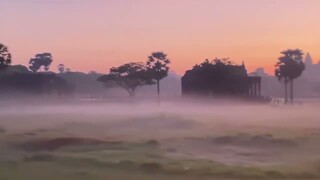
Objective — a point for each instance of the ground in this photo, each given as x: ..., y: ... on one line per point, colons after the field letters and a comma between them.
x: 143, y: 140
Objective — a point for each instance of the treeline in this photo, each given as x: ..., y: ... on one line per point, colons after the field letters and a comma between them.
x: 38, y: 79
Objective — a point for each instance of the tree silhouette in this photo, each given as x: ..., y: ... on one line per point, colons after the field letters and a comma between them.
x: 289, y: 67
x: 44, y: 59
x: 61, y: 68
x: 219, y: 76
x: 157, y: 65
x: 128, y: 76
x: 5, y: 57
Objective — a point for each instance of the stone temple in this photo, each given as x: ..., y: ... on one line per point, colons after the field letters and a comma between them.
x: 220, y: 79
x: 312, y: 71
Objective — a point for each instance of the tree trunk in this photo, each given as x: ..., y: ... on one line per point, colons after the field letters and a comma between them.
x: 158, y: 87
x: 291, y: 90
x: 286, y: 91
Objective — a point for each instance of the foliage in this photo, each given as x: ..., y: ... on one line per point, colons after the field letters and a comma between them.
x: 16, y: 80
x: 61, y: 68
x: 158, y: 68
x: 128, y: 76
x: 219, y: 76
x: 44, y: 59
x: 215, y: 62
x: 5, y: 57
x: 290, y: 65
x: 157, y: 64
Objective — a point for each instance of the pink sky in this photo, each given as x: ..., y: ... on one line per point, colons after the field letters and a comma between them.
x: 97, y: 34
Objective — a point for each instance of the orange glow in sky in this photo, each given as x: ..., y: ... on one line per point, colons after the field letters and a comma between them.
x: 98, y: 34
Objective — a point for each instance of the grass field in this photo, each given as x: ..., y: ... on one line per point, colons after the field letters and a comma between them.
x: 167, y: 141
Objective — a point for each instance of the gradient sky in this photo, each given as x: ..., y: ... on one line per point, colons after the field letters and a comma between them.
x: 97, y: 34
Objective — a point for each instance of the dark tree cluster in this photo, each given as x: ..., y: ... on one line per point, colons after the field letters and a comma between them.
x: 36, y: 84
x: 216, y: 77
x: 212, y: 77
x: 289, y: 67
x: 132, y: 75
x: 18, y: 78
x: 5, y: 57
x: 40, y: 60
x: 128, y: 76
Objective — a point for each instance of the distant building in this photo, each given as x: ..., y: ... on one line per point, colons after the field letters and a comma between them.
x: 220, y: 78
x: 306, y: 86
x: 260, y: 72
x: 312, y: 71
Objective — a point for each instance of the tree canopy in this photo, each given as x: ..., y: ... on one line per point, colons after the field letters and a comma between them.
x: 290, y: 65
x: 157, y: 64
x: 214, y: 63
x: 128, y: 76
x: 43, y: 59
x: 5, y: 57
x: 219, y: 76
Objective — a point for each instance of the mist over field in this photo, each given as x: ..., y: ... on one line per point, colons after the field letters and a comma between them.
x: 159, y: 90
x: 213, y: 122
x: 208, y: 114
x: 169, y: 139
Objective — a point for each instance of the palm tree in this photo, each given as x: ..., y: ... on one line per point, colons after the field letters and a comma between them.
x: 289, y: 67
x: 158, y: 66
x: 5, y: 57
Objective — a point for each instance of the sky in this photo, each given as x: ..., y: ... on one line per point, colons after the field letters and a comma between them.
x: 95, y: 35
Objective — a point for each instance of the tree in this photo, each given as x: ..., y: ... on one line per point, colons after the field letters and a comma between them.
x: 128, y: 76
x: 216, y: 77
x: 44, y: 59
x: 34, y: 65
x: 157, y: 65
x: 289, y: 67
x: 61, y: 68
x: 5, y: 57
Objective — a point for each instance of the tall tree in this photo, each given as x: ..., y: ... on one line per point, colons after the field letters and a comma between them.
x: 5, y: 57
x: 157, y: 65
x: 289, y: 67
x: 43, y: 59
x: 128, y: 76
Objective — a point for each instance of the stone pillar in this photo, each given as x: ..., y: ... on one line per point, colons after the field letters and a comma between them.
x: 254, y: 88
x: 259, y: 88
